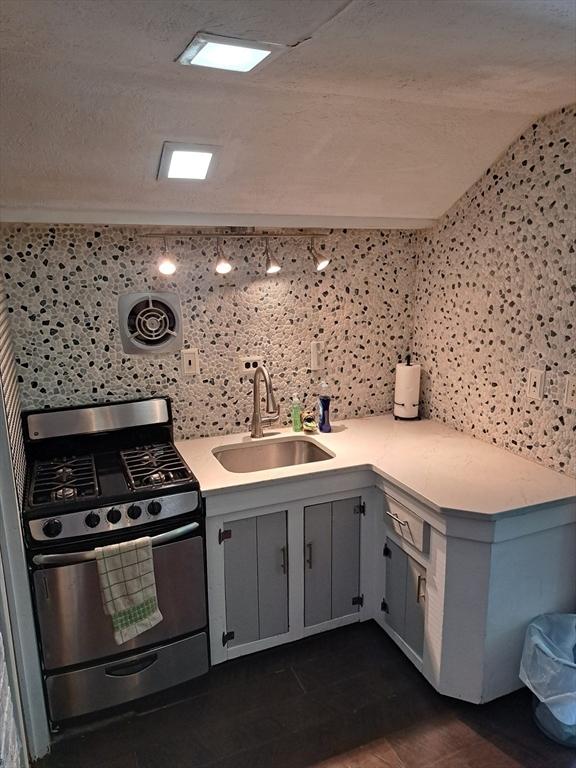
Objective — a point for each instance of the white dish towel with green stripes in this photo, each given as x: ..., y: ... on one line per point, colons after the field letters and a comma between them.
x: 128, y: 587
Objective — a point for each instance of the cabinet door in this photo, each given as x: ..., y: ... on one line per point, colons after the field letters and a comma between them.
x: 272, y: 574
x: 317, y: 564
x: 241, y: 581
x: 396, y: 569
x: 415, y: 597
x: 345, y: 556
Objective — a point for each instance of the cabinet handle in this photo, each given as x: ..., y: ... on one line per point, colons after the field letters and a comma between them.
x: 421, y: 589
x: 309, y: 558
x: 284, y: 563
x: 396, y: 518
x: 132, y: 667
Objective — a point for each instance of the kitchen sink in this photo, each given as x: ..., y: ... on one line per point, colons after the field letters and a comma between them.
x: 254, y: 457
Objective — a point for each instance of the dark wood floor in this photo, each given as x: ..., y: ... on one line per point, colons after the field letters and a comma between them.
x: 344, y: 699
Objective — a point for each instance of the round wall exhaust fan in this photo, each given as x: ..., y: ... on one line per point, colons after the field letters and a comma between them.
x: 150, y: 323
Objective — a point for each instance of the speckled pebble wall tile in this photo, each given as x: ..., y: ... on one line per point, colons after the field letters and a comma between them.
x: 63, y: 284
x: 496, y: 296
x: 493, y: 295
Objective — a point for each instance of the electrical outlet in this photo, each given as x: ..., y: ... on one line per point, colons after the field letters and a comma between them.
x: 570, y: 392
x: 190, y: 362
x: 248, y: 365
x: 535, y: 387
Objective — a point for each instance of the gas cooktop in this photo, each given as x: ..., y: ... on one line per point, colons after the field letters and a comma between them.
x: 69, y: 483
x: 99, y: 469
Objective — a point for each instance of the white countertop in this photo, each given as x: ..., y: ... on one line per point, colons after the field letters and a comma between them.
x: 446, y: 469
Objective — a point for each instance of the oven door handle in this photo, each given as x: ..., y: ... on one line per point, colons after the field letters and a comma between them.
x: 71, y: 558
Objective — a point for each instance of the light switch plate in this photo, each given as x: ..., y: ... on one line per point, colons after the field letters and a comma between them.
x: 536, y: 381
x: 570, y: 392
x: 190, y: 361
x: 316, y: 355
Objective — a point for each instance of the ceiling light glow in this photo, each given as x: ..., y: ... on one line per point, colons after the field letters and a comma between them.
x: 189, y: 165
x: 186, y: 161
x: 233, y: 57
x: 233, y: 54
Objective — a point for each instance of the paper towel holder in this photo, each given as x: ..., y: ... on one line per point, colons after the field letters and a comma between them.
x: 402, y: 405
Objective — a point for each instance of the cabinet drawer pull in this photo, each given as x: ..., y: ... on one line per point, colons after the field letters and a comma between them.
x: 421, y: 589
x: 284, y: 563
x: 396, y: 518
x: 309, y: 558
x: 131, y: 667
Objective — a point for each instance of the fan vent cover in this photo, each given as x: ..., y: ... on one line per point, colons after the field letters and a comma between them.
x: 150, y: 323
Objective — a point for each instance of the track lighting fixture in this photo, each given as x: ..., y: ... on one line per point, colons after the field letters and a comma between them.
x: 321, y: 259
x: 223, y: 266
x: 272, y: 264
x: 166, y: 266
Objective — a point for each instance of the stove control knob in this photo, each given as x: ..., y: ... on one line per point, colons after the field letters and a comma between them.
x: 52, y: 528
x: 92, y: 519
x: 154, y: 507
x: 134, y: 512
x: 114, y: 515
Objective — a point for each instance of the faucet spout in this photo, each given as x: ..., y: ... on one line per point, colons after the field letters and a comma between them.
x: 272, y: 409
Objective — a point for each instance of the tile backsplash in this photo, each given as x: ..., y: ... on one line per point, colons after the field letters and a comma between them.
x: 482, y: 297
x: 496, y: 296
x: 63, y: 284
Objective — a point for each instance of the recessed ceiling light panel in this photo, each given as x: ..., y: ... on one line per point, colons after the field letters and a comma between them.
x: 229, y: 53
x: 185, y: 161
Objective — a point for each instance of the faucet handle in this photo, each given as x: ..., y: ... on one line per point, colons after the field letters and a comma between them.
x: 272, y: 415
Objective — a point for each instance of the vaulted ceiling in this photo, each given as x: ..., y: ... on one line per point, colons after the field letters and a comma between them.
x: 383, y: 113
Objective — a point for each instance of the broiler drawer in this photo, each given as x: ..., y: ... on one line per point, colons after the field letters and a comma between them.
x: 407, y: 524
x: 82, y: 691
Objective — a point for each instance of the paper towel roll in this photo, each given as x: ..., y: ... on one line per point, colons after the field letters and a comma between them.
x: 407, y: 391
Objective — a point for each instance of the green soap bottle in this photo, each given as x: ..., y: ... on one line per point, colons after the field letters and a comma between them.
x: 296, y: 414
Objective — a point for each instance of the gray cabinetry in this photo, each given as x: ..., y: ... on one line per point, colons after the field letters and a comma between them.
x: 256, y: 578
x: 272, y: 574
x: 317, y: 564
x: 331, y: 560
x: 405, y: 596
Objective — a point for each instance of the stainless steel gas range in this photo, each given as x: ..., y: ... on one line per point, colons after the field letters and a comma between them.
x: 97, y: 475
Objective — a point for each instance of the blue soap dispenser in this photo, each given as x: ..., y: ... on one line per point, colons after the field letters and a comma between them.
x: 324, y: 408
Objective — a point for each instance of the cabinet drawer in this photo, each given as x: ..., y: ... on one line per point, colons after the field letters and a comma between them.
x: 407, y: 524
x: 90, y: 689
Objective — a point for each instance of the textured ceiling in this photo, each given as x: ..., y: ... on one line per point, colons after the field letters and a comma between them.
x: 385, y: 113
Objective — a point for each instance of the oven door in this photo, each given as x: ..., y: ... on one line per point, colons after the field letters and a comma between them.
x: 73, y: 626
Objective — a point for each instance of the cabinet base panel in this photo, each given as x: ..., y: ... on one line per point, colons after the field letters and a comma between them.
x: 290, y: 637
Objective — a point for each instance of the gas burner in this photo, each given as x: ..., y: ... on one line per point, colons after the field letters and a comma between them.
x: 154, y: 465
x: 62, y: 480
x: 149, y: 458
x: 64, y: 493
x: 64, y: 472
x: 157, y: 478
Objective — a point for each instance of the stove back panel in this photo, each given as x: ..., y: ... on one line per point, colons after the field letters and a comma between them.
x: 96, y: 419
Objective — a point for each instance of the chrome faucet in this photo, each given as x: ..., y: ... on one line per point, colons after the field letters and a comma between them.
x: 272, y: 410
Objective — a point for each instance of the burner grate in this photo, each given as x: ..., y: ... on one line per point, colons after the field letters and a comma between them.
x: 154, y: 465
x: 63, y: 479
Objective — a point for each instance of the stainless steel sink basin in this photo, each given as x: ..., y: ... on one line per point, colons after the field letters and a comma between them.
x: 253, y: 457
